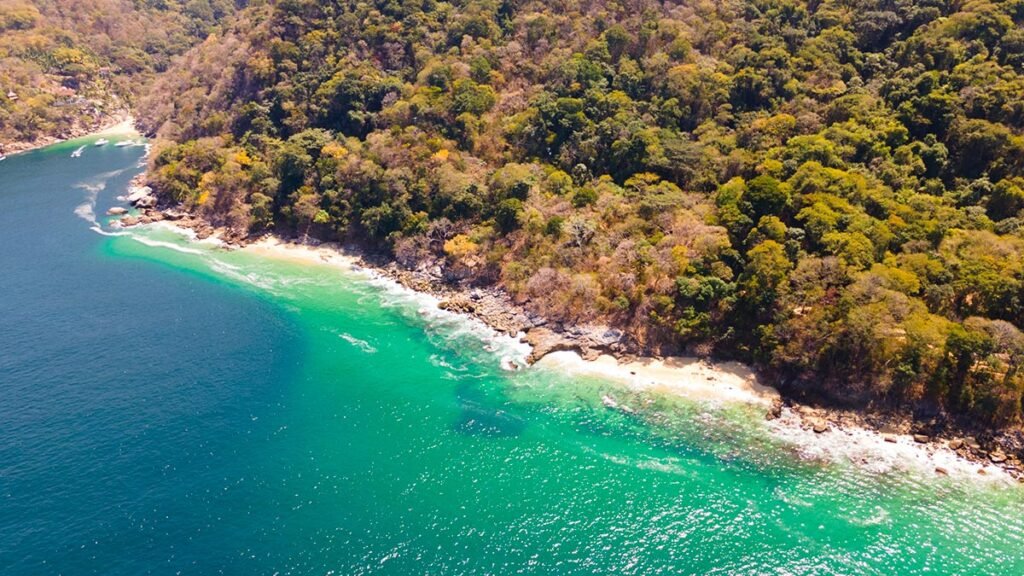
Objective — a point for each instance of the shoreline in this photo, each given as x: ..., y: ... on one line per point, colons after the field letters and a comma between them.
x: 115, y: 124
x: 872, y: 439
x: 814, y: 434
x: 682, y: 375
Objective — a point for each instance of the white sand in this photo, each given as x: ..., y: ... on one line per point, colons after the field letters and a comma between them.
x: 688, y: 377
x: 125, y: 127
x: 329, y: 253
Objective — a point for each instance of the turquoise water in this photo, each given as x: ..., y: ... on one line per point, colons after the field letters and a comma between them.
x: 169, y: 407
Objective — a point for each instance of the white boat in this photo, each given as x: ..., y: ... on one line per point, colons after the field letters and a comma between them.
x: 78, y: 152
x: 102, y: 142
x: 2, y: 157
x: 124, y: 143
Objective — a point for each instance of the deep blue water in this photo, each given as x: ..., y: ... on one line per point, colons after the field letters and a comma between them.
x: 119, y: 380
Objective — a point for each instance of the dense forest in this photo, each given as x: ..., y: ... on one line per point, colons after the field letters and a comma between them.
x: 67, y: 65
x: 830, y: 189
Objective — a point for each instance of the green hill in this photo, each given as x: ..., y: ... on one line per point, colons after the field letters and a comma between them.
x: 67, y: 66
x: 832, y: 190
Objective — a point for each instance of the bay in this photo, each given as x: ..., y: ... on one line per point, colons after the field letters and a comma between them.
x: 171, y: 407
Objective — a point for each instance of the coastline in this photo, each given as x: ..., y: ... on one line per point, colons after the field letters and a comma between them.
x: 115, y: 124
x: 879, y: 444
x: 876, y: 442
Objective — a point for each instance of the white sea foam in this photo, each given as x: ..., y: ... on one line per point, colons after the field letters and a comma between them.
x: 87, y: 209
x: 168, y: 245
x: 86, y: 212
x: 446, y: 327
x: 869, y: 451
x: 439, y: 361
x: 97, y: 229
x: 358, y: 343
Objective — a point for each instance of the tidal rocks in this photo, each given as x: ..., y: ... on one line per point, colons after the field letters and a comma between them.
x: 117, y: 211
x: 141, y: 197
x: 458, y: 304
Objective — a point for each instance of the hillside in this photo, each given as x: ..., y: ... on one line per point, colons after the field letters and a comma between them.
x: 832, y: 190
x: 65, y: 67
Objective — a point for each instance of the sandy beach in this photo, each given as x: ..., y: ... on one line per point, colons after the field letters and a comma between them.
x: 330, y: 254
x: 124, y: 127
x: 688, y: 377
x: 118, y: 125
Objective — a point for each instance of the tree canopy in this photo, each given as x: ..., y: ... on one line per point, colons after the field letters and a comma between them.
x: 831, y: 189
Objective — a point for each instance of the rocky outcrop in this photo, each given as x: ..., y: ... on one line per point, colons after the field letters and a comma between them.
x: 589, y: 341
x: 141, y: 197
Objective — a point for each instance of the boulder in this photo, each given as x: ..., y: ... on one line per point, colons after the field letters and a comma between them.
x: 116, y: 211
x: 457, y: 304
x: 889, y: 438
x: 136, y: 194
x: 956, y: 444
x: 997, y: 457
x: 545, y: 341
x: 941, y: 471
x: 921, y: 438
x: 819, y: 426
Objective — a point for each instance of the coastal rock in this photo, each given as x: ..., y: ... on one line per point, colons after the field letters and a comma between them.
x: 997, y: 457
x: 142, y: 197
x: 155, y: 215
x: 891, y: 439
x: 956, y: 444
x: 941, y: 471
x: 545, y: 341
x: 921, y: 438
x: 116, y: 211
x: 458, y: 304
x: 129, y: 221
x: 819, y: 426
